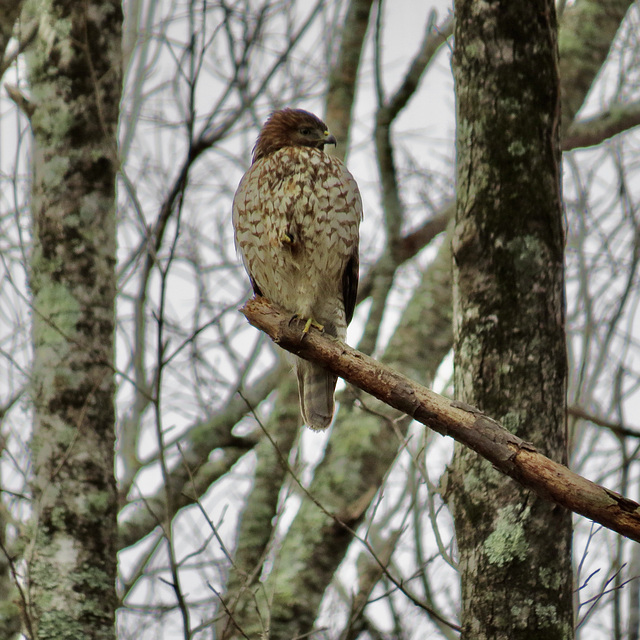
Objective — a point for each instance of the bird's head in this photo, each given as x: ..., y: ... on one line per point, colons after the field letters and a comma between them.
x: 291, y: 128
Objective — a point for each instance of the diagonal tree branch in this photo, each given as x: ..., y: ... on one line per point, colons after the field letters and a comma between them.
x: 343, y: 77
x: 589, y: 133
x: 587, y: 31
x: 9, y: 12
x: 392, y: 205
x: 509, y: 454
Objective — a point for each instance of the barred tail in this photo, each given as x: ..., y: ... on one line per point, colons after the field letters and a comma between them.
x: 316, y: 387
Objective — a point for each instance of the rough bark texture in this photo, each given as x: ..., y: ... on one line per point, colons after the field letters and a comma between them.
x: 510, y: 357
x: 76, y: 84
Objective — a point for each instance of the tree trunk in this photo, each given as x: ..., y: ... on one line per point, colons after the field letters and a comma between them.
x: 510, y: 356
x: 75, y: 74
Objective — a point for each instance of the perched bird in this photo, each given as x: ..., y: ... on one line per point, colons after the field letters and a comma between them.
x: 296, y: 215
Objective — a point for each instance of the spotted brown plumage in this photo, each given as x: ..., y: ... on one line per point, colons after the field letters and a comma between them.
x: 296, y: 215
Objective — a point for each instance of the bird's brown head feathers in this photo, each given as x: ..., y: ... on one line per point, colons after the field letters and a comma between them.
x: 291, y: 128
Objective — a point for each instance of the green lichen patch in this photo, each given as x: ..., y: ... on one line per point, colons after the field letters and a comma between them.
x: 507, y: 542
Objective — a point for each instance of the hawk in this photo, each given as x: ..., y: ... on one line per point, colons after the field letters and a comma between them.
x: 296, y: 215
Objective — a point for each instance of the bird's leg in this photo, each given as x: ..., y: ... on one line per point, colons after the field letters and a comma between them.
x: 286, y: 238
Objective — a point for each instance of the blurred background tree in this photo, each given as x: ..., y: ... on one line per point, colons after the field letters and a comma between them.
x: 225, y: 503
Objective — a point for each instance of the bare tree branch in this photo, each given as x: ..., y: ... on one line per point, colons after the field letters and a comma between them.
x: 409, y: 246
x: 615, y: 427
x: 587, y: 30
x: 393, y: 207
x: 588, y: 133
x: 9, y: 12
x: 343, y: 77
x: 508, y: 453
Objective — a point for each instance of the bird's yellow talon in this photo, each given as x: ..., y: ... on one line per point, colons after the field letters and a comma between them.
x: 312, y: 323
x: 287, y: 238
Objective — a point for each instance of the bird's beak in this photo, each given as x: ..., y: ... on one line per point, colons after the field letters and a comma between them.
x: 330, y: 139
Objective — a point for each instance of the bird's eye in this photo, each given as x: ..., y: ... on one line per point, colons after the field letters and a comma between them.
x: 305, y: 131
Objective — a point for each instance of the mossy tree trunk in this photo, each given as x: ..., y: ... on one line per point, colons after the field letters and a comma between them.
x: 510, y: 356
x: 75, y: 75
